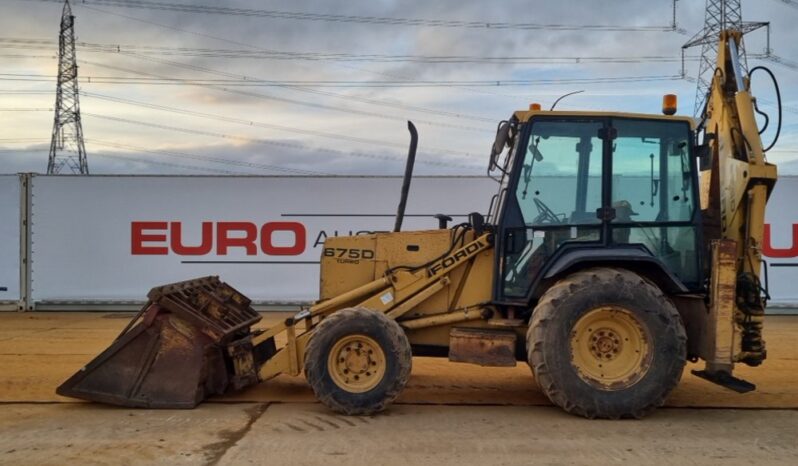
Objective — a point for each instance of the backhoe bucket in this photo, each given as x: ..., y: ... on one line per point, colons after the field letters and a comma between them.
x: 192, y: 340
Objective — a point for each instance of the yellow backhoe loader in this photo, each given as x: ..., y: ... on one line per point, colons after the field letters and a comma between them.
x: 603, y: 263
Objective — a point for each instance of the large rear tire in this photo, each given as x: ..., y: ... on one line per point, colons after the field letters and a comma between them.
x: 605, y: 343
x: 358, y: 361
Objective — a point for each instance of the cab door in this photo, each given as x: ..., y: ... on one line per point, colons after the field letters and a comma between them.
x: 554, y: 198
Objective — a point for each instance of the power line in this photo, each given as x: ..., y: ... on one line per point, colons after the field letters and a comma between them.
x: 23, y: 92
x: 166, y: 164
x: 22, y: 140
x: 785, y: 107
x: 791, y: 3
x: 38, y: 44
x: 225, y: 40
x: 27, y: 57
x: 252, y: 123
x: 272, y: 142
x: 342, y: 83
x: 783, y: 62
x: 377, y: 20
x: 185, y: 155
x: 212, y: 159
x: 304, y: 103
x: 234, y: 42
x: 347, y: 97
x: 18, y: 151
x: 342, y: 96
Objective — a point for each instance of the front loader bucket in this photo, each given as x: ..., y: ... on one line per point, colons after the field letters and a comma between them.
x: 192, y: 340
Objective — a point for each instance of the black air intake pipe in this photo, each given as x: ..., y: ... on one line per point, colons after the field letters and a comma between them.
x: 411, y: 160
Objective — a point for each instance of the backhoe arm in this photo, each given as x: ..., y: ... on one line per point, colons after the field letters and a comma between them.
x: 734, y: 190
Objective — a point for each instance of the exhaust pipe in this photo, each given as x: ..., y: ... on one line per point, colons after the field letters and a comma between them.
x: 411, y: 160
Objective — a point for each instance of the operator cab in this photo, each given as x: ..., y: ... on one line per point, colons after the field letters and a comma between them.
x: 581, y: 187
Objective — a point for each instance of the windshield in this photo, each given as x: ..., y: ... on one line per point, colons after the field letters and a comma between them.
x: 560, y: 177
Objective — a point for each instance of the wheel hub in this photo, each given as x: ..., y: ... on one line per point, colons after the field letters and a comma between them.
x: 356, y: 363
x: 605, y: 344
x: 610, y: 348
x: 357, y: 359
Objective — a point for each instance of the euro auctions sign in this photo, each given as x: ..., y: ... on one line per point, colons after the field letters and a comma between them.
x: 112, y: 238
x: 218, y: 238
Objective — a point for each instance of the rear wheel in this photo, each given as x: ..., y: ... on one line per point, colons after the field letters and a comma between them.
x: 358, y: 361
x: 605, y: 343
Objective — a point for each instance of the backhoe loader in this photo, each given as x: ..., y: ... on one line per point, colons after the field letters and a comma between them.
x: 603, y: 263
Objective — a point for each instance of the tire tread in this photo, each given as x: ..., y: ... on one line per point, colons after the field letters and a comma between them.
x: 546, y: 310
x: 314, y: 369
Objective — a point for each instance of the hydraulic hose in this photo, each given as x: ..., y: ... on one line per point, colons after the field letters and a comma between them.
x: 778, y: 99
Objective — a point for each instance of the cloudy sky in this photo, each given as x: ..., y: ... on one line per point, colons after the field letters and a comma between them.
x: 325, y: 86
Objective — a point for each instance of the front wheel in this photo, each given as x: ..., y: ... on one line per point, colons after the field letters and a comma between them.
x: 357, y: 361
x: 605, y: 343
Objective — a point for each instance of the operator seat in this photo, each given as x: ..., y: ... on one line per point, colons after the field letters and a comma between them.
x: 623, y: 214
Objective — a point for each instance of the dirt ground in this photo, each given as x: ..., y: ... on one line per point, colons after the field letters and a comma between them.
x: 308, y: 434
x: 449, y: 414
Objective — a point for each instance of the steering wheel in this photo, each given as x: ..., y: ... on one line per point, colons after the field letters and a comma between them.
x: 545, y: 214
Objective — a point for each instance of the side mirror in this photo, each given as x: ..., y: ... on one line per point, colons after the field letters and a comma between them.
x: 477, y: 222
x: 501, y: 141
x: 703, y: 154
x: 702, y: 151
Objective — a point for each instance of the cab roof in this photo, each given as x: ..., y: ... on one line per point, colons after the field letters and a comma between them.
x: 525, y: 115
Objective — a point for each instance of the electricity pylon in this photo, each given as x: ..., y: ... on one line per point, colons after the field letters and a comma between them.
x: 720, y: 15
x: 67, y: 148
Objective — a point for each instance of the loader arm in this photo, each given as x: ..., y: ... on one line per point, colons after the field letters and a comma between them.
x: 735, y: 187
x: 394, y: 294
